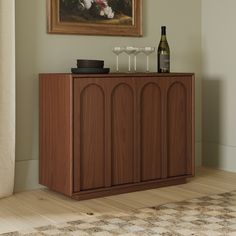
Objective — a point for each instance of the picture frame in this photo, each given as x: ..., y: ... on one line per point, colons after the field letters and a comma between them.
x: 95, y: 17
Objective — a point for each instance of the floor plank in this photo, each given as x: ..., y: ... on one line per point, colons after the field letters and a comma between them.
x: 41, y: 207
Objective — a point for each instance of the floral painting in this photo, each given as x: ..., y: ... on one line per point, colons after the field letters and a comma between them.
x: 98, y: 17
x: 97, y: 11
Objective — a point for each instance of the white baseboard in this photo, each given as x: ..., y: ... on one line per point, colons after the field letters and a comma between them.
x: 26, y: 175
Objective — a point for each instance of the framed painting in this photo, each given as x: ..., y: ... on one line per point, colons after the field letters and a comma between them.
x: 95, y: 17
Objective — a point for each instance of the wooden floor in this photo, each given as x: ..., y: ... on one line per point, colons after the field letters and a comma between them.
x: 42, y: 207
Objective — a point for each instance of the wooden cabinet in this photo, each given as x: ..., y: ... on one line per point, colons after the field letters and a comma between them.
x: 115, y: 133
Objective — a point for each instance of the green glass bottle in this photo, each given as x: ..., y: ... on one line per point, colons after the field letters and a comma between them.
x: 163, y: 53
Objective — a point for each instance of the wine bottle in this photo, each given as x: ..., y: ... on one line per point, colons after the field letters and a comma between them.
x: 163, y: 53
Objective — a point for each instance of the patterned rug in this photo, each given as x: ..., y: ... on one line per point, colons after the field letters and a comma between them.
x: 207, y: 216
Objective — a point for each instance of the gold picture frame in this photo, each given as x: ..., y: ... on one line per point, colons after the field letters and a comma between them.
x: 96, y: 20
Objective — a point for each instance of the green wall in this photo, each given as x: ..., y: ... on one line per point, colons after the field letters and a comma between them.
x: 219, y: 84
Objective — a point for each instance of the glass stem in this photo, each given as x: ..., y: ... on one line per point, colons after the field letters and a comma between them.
x: 135, y: 63
x: 147, y: 63
x: 129, y: 63
x: 117, y: 63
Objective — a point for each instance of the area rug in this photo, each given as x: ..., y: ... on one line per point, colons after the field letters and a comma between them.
x: 206, y: 216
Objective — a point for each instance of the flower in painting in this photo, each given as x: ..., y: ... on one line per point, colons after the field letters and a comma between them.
x: 107, y: 11
x: 101, y: 3
x: 88, y: 3
x: 104, y: 9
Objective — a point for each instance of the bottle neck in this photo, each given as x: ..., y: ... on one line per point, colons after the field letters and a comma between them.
x: 163, y: 37
x: 163, y: 30
x: 163, y: 33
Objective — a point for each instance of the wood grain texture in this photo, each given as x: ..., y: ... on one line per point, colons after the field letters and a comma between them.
x: 125, y: 131
x: 180, y: 126
x: 119, y: 189
x: 191, y: 126
x: 122, y: 129
x: 151, y: 132
x: 176, y: 129
x: 55, y: 132
x: 80, y: 85
x: 134, y: 75
x: 41, y: 207
x: 92, y: 137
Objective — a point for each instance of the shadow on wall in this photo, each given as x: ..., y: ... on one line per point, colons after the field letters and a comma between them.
x: 26, y: 169
x: 211, y: 115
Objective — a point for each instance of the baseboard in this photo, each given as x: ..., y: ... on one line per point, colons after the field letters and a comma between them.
x: 26, y: 175
x: 219, y: 156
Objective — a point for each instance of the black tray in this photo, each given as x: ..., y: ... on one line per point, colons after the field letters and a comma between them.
x: 90, y: 70
x: 90, y: 63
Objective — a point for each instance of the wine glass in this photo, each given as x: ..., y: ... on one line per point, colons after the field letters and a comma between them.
x: 117, y: 51
x: 129, y: 50
x: 136, y: 52
x: 147, y: 51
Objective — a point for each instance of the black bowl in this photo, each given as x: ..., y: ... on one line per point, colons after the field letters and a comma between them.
x: 90, y: 70
x: 90, y: 63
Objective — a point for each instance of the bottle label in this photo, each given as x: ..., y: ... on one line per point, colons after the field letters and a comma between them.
x: 165, y: 62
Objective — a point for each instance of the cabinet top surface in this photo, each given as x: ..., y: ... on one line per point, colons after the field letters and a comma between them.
x: 122, y: 75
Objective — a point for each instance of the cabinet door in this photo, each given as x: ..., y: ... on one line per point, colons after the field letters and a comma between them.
x: 122, y: 130
x: 151, y: 100
x: 89, y: 135
x: 180, y: 126
x: 104, y: 133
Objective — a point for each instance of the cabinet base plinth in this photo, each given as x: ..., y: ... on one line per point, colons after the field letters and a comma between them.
x: 89, y: 194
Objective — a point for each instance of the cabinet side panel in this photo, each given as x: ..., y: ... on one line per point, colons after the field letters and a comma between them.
x: 177, y: 129
x: 55, y: 130
x: 92, y: 137
x: 191, y: 126
x: 151, y: 133
x: 122, y: 128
